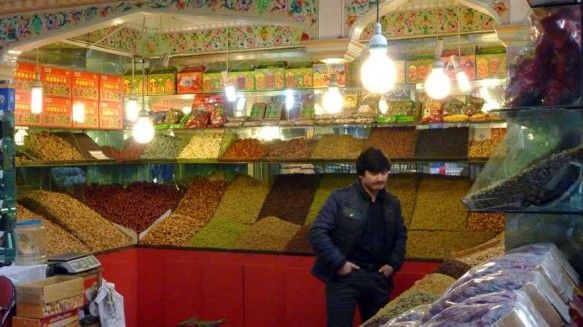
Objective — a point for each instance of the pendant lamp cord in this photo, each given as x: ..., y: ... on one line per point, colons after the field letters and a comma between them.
x: 378, y: 10
x: 37, y: 62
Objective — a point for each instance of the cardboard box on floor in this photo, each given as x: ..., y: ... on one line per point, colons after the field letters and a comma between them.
x: 67, y: 319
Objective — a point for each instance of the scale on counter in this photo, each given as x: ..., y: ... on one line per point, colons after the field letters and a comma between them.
x: 74, y: 262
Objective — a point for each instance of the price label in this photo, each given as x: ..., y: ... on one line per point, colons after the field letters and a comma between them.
x: 98, y: 155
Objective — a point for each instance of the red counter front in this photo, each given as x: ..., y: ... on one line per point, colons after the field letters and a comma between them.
x: 165, y: 287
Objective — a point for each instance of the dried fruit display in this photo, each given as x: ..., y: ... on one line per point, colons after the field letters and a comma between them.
x: 438, y: 205
x: 163, y: 147
x: 245, y: 149
x: 243, y: 200
x: 395, y: 142
x: 493, y: 221
x: 220, y: 233
x: 290, y: 198
x: 86, y: 144
x: 76, y: 218
x: 131, y: 150
x: 328, y: 184
x: 404, y: 187
x: 299, y: 243
x: 441, y: 244
x: 136, y: 206
x: 49, y: 147
x: 175, y: 230
x: 201, y: 199
x: 268, y: 234
x: 57, y: 240
x: 439, y: 143
x: 202, y: 146
x: 453, y: 268
x: 479, y: 257
x: 290, y: 150
x: 399, y: 305
x: 338, y: 147
x: 536, y: 185
x: 483, y: 148
x: 434, y: 283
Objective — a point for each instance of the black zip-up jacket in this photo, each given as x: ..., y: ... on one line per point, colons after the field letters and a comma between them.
x: 340, y: 223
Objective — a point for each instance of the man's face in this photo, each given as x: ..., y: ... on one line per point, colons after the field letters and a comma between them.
x: 374, y: 181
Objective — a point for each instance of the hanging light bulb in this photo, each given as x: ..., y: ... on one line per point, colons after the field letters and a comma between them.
x: 143, y: 130
x: 460, y: 75
x: 79, y: 112
x: 438, y: 85
x: 36, y: 102
x: 289, y: 99
x: 230, y: 91
x: 241, y: 106
x: 20, y: 135
x: 333, y: 101
x: 378, y: 73
x: 186, y: 109
x: 383, y: 106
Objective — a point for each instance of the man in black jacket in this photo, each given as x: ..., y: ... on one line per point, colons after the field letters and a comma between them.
x: 359, y: 237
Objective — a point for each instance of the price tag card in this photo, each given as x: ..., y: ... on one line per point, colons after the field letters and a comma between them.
x: 98, y: 155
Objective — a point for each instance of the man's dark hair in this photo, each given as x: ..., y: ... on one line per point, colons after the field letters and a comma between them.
x: 373, y: 160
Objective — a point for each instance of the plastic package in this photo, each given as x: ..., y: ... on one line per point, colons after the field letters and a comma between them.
x: 549, y: 71
x: 409, y: 318
x: 543, y: 263
x: 505, y: 308
x: 550, y: 183
x: 505, y: 280
x: 554, y: 252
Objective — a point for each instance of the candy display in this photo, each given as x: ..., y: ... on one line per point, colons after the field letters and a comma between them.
x: 439, y: 210
x: 242, y: 200
x: 220, y: 233
x: 58, y: 241
x: 395, y: 142
x: 436, y: 143
x: 301, y: 188
x: 268, y: 234
x: 50, y: 147
x: 82, y: 222
x: 340, y: 147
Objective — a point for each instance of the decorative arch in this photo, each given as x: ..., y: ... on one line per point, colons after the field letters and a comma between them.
x: 360, y: 25
x: 25, y: 31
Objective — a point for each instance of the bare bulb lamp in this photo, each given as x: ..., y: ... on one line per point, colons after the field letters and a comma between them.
x: 332, y: 100
x: 143, y: 130
x: 460, y: 75
x: 437, y: 84
x: 36, y: 102
x: 378, y: 72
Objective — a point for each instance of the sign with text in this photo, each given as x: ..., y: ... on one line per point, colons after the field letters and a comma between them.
x: 85, y: 86
x: 110, y: 88
x: 22, y: 114
x: 57, y: 112
x: 56, y: 82
x: 110, y: 115
x: 91, y: 114
x: 24, y: 75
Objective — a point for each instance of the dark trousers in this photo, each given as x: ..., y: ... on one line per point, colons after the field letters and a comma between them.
x: 368, y: 289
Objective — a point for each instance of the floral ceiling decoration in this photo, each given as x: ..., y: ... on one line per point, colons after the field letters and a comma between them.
x: 211, y: 40
x: 432, y: 22
x: 16, y: 28
x: 354, y: 9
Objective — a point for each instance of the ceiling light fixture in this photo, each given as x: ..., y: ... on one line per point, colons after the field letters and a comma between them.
x: 36, y: 103
x: 378, y: 72
x: 460, y: 75
x: 230, y: 92
x: 132, y: 109
x: 332, y: 100
x: 437, y: 84
x: 143, y: 130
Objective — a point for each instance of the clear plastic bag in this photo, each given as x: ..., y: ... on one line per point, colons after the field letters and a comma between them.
x: 409, y: 318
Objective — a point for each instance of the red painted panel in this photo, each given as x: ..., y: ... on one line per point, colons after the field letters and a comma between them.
x: 151, y: 290
x: 304, y: 299
x: 120, y: 268
x: 222, y: 294
x: 264, y: 296
x: 183, y: 291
